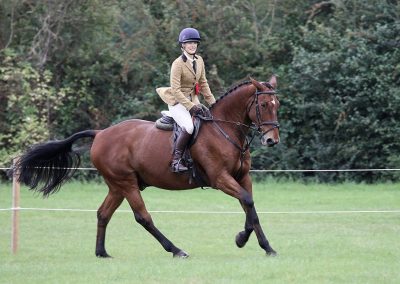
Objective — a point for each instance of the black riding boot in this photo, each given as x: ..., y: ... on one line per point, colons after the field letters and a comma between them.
x: 180, y: 146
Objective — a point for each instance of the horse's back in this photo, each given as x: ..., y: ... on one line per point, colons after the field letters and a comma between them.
x: 121, y: 148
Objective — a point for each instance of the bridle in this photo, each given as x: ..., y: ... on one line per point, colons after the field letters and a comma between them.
x: 255, y: 127
x: 274, y: 124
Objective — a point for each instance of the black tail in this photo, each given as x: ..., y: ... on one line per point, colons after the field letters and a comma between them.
x: 45, y: 167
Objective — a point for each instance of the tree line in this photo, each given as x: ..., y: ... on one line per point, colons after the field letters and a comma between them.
x: 86, y: 64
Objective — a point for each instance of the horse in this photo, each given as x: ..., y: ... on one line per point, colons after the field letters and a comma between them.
x: 134, y: 154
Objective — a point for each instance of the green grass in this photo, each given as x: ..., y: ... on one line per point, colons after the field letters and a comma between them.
x: 58, y: 246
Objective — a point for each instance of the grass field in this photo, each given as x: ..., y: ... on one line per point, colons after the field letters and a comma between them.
x: 315, y: 244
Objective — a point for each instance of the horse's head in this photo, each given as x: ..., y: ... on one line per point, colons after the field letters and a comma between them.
x: 263, y: 111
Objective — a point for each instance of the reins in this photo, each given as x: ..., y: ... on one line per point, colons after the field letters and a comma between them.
x: 241, y: 149
x: 254, y: 127
x: 227, y: 137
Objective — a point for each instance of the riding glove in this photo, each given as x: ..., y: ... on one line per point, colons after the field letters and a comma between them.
x: 196, y: 110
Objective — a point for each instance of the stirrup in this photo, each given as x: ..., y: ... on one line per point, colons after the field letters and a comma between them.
x: 178, y: 167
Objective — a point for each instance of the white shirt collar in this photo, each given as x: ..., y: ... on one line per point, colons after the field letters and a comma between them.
x: 189, y: 57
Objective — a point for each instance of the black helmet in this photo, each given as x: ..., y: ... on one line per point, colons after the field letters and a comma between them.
x: 189, y: 34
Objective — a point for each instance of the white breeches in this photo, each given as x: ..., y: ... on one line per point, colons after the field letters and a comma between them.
x: 182, y: 117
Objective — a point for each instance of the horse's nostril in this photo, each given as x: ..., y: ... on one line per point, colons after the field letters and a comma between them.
x: 270, y: 142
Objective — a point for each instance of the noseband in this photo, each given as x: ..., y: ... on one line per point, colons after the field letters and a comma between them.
x: 274, y: 124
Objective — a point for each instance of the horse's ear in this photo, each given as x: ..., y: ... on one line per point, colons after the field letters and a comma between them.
x: 257, y: 84
x: 273, y: 81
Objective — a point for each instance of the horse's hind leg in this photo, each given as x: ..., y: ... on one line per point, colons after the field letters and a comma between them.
x: 143, y: 217
x: 130, y: 190
x: 104, y: 213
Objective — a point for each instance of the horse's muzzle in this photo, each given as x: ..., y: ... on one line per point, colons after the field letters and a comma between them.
x: 269, y: 141
x: 269, y: 137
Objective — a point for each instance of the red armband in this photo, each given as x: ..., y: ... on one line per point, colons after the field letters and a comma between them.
x: 197, y: 88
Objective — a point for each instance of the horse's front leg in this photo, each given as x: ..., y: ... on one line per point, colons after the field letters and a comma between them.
x: 262, y: 239
x: 228, y: 184
x: 243, y: 236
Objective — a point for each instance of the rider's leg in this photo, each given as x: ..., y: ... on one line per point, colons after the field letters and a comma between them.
x: 184, y: 120
x: 180, y: 146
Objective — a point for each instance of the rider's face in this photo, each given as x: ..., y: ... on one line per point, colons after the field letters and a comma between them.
x: 190, y: 47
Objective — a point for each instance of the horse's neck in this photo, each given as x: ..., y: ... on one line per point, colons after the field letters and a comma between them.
x: 233, y: 107
x: 233, y: 110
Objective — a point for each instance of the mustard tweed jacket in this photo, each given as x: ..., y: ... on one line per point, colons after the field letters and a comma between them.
x: 183, y: 80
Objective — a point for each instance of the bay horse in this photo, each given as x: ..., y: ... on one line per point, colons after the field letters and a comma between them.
x: 135, y: 154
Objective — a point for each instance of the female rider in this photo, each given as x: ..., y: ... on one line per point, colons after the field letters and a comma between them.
x: 187, y: 80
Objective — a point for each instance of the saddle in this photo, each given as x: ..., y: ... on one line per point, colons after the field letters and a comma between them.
x: 167, y: 123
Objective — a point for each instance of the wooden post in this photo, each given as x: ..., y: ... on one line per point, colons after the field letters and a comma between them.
x: 15, y: 211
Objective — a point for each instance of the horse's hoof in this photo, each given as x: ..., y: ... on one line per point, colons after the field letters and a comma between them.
x: 272, y: 253
x: 241, y: 240
x: 181, y: 254
x: 103, y: 255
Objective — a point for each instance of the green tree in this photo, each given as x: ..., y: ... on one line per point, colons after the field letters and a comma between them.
x: 79, y: 64
x: 345, y: 97
x: 27, y: 99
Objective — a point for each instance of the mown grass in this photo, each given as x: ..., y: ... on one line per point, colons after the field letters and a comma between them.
x: 58, y: 246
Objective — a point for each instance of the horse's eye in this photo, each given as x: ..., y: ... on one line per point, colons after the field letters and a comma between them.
x: 264, y: 104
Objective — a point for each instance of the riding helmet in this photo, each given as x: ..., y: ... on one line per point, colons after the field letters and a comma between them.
x: 189, y: 34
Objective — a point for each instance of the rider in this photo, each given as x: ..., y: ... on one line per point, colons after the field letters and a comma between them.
x: 187, y: 80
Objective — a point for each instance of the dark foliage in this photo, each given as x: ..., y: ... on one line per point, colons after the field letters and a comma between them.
x: 74, y: 65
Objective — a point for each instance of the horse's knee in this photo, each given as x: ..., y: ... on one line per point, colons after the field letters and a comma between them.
x: 247, y: 199
x: 141, y: 220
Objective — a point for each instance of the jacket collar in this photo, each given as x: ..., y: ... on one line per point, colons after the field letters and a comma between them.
x: 184, y: 58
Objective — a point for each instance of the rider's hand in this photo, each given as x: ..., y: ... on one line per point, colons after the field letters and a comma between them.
x: 196, y: 110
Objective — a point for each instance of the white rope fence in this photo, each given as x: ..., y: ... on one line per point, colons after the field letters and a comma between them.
x: 208, y: 212
x: 15, y: 209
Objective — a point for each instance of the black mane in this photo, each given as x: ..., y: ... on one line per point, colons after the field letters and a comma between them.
x: 230, y: 91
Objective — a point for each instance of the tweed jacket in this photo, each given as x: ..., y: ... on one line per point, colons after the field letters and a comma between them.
x: 183, y: 81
